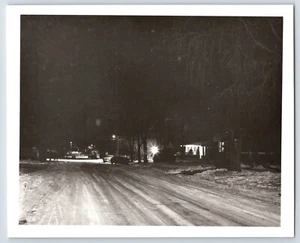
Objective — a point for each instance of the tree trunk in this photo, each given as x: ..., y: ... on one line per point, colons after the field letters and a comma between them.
x: 255, y: 154
x: 238, y: 151
x: 42, y: 151
x: 252, y: 152
x: 131, y: 148
x: 42, y: 157
x: 235, y: 147
x: 250, y: 158
x: 139, y: 149
x: 145, y: 149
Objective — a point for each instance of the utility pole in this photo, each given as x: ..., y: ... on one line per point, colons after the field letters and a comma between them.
x: 118, y: 145
x: 116, y: 137
x: 117, y: 108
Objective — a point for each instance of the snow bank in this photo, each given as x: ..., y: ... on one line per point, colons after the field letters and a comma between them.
x: 246, y: 178
x: 32, y: 162
x: 191, y: 169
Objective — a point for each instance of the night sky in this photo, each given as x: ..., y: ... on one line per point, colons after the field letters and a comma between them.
x: 69, y: 63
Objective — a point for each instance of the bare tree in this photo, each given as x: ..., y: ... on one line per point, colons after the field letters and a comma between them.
x: 235, y: 65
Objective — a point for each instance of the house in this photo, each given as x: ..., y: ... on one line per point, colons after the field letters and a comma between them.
x: 203, y: 147
x: 191, y: 149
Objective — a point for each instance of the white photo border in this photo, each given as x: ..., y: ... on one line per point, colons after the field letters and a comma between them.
x: 13, y: 118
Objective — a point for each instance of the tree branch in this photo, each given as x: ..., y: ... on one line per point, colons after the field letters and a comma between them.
x: 274, y: 32
x: 253, y: 38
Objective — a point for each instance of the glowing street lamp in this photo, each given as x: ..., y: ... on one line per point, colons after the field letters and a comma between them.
x: 154, y: 150
x: 114, y: 137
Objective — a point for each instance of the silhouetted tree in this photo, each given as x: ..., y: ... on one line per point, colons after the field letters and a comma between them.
x: 235, y: 66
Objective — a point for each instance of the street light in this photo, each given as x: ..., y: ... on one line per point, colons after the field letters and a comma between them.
x: 114, y: 137
x: 154, y: 150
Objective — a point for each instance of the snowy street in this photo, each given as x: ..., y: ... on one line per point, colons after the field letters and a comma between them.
x: 100, y: 194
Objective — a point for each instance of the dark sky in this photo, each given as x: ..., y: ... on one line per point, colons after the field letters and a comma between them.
x: 68, y: 65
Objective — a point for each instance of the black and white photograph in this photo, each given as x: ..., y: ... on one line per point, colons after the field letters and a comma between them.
x: 150, y: 120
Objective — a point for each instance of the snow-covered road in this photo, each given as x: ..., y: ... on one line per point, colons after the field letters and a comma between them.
x: 85, y: 194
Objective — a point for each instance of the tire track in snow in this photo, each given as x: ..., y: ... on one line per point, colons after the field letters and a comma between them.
x: 213, y: 203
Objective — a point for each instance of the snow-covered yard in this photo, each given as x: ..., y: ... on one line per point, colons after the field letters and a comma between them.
x: 248, y: 179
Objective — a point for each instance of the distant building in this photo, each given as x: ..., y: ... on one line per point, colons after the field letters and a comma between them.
x: 191, y: 149
x: 202, y: 148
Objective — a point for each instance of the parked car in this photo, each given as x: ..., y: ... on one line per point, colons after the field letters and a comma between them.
x: 166, y: 155
x: 94, y: 155
x: 120, y: 160
x: 72, y: 154
x: 107, y: 158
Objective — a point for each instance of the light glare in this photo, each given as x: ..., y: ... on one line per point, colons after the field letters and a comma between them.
x: 154, y: 150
